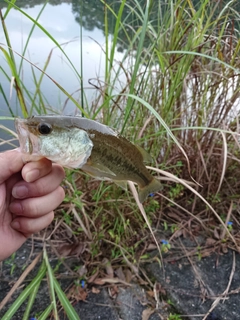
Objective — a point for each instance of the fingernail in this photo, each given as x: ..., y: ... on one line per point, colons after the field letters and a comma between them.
x: 32, y: 175
x: 15, y: 207
x: 20, y: 192
x: 15, y: 225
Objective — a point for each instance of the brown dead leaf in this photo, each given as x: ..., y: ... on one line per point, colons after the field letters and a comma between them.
x: 64, y: 250
x: 224, y: 248
x: 98, y: 281
x: 71, y: 249
x: 119, y: 273
x: 177, y: 234
x: 174, y: 216
x: 78, y: 248
x: 108, y: 267
x: 82, y: 270
x: 210, y: 242
x: 101, y: 281
x: 128, y: 275
x: 147, y: 313
x: 150, y: 293
x: 93, y: 277
x: 78, y: 293
x: 216, y: 234
x: 95, y: 290
x: 113, y: 291
x: 151, y: 247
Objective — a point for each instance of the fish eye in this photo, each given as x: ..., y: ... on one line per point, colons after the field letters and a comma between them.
x: 44, y: 128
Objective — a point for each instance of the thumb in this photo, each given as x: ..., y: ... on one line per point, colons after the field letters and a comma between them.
x: 10, y: 162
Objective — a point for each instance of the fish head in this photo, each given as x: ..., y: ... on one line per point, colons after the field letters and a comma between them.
x: 52, y: 138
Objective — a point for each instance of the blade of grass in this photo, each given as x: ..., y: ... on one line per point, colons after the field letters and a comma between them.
x: 30, y: 35
x: 142, y: 31
x: 46, y: 313
x: 31, y: 300
x: 26, y: 292
x: 51, y: 284
x: 68, y: 308
x: 141, y: 208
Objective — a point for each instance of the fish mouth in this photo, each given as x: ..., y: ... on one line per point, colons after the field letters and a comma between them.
x: 28, y: 142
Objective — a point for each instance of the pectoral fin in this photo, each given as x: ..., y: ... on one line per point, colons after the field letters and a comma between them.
x: 98, y: 171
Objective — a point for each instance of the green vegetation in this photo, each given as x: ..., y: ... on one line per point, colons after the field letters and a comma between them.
x: 179, y: 101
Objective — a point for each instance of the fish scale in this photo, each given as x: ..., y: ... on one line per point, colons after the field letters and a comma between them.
x: 86, y: 144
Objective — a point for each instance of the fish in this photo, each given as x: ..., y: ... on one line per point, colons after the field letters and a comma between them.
x: 77, y: 142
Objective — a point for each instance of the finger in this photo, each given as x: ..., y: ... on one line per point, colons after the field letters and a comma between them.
x: 29, y: 226
x: 40, y: 187
x: 36, y: 207
x: 36, y: 169
x: 10, y: 163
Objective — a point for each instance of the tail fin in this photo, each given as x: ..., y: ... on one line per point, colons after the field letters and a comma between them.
x: 153, y: 186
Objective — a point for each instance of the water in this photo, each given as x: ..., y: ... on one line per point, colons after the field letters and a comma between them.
x: 60, y: 22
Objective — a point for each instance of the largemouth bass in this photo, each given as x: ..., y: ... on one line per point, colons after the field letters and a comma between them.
x: 77, y: 142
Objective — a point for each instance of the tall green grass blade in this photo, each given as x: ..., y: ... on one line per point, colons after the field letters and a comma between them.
x: 31, y: 300
x: 68, y: 308
x: 40, y: 106
x: 51, y: 285
x: 30, y: 35
x: 81, y: 56
x: 6, y: 101
x: 46, y: 313
x: 17, y: 81
x: 211, y: 58
x: 7, y: 37
x: 142, y: 31
x: 10, y: 5
x: 26, y: 292
x: 54, y: 285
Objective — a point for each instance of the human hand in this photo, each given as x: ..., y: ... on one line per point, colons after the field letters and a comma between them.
x: 28, y: 195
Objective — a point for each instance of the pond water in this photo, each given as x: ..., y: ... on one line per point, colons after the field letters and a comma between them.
x: 61, y: 22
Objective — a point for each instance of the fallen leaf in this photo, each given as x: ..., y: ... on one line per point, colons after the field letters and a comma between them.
x: 120, y: 274
x: 210, y: 242
x: 82, y: 270
x: 216, y: 234
x: 151, y: 247
x: 71, y: 249
x: 147, y: 313
x: 101, y: 281
x: 177, y: 234
x: 108, y: 267
x: 78, y: 293
x: 128, y: 275
x: 113, y: 291
x: 78, y: 248
x: 95, y: 290
x: 64, y: 250
x: 93, y: 277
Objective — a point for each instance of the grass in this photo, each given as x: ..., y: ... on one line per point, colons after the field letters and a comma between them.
x: 179, y: 102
